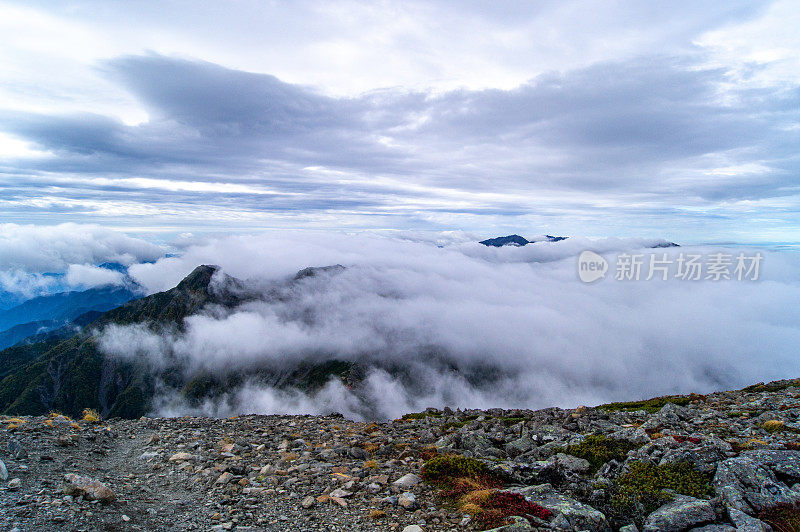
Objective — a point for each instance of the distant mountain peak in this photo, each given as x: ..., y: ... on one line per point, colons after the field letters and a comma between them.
x: 313, y: 271
x: 510, y: 240
x: 199, y: 279
x: 516, y: 240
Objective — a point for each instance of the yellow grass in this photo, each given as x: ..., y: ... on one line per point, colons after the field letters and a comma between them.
x: 91, y: 415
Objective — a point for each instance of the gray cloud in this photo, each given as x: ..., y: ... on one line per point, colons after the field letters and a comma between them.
x: 652, y: 131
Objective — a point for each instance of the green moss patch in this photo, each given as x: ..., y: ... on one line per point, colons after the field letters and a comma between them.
x: 420, y: 415
x: 646, y: 484
x: 447, y: 470
x: 598, y: 450
x: 651, y: 405
x: 772, y: 387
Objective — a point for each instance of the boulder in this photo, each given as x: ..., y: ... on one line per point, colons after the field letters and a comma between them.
x: 785, y: 464
x: 407, y: 500
x: 308, y: 502
x: 224, y: 478
x: 573, y: 464
x: 703, y: 457
x: 407, y: 481
x: 88, y: 488
x: 745, y: 523
x: 680, y: 515
x: 670, y: 415
x: 747, y: 486
x: 182, y: 457
x: 631, y: 434
x: 579, y: 516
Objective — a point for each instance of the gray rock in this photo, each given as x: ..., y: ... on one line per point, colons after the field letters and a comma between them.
x: 90, y: 489
x: 579, y: 516
x: 61, y: 420
x: 561, y: 523
x: 749, y: 487
x: 714, y: 528
x: 407, y: 500
x: 407, y: 481
x: 679, y: 515
x: 631, y: 434
x: 358, y: 453
x: 783, y: 463
x: 14, y: 484
x: 413, y: 528
x: 3, y: 471
x: 572, y: 463
x: 629, y: 528
x: 308, y: 502
x: 521, y: 445
x: 224, y: 478
x: 16, y: 449
x: 745, y: 523
x: 669, y: 416
x: 475, y: 443
x: 703, y: 458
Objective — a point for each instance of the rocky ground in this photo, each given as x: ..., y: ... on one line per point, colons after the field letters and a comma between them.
x: 721, y: 462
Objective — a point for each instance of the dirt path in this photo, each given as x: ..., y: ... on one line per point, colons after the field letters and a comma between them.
x: 146, y: 498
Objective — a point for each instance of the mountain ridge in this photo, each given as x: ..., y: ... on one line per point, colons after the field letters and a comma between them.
x: 72, y: 374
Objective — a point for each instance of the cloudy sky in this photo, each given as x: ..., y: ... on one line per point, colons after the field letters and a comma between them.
x: 666, y: 119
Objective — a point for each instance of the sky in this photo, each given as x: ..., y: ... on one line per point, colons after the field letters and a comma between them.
x: 677, y: 120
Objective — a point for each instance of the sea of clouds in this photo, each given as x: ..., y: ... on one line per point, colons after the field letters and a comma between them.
x: 439, y: 320
x: 41, y: 260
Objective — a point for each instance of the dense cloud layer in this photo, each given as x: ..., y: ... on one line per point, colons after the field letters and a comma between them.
x: 37, y: 260
x: 467, y: 325
x: 689, y: 136
x: 33, y: 248
x: 88, y: 276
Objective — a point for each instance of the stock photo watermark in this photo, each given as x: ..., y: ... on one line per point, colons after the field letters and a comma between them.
x: 660, y: 266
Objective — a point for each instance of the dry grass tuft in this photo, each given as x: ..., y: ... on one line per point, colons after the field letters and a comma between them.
x: 91, y: 415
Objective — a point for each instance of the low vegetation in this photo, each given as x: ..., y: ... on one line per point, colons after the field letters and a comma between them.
x: 782, y: 518
x: 775, y: 425
x: 772, y: 387
x: 598, y: 450
x: 651, y: 405
x: 474, y: 488
x: 647, y: 486
x: 448, y: 470
x: 493, y: 508
x: 420, y: 415
x: 90, y: 415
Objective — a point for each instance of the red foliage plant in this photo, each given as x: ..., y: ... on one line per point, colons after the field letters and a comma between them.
x: 501, y: 505
x: 782, y: 518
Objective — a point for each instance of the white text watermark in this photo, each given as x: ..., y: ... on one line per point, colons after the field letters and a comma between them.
x: 716, y: 266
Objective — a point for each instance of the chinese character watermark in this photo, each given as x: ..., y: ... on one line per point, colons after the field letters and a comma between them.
x: 716, y: 266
